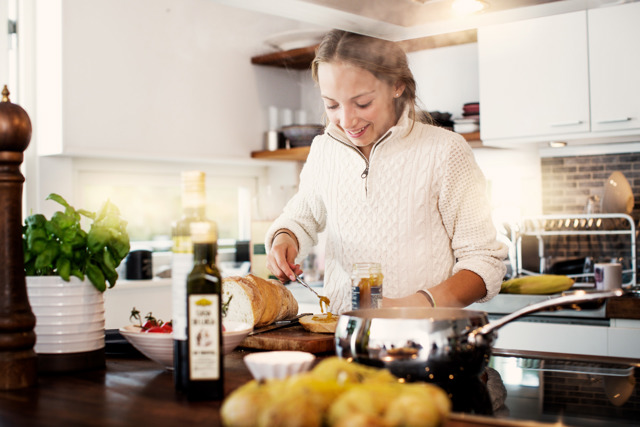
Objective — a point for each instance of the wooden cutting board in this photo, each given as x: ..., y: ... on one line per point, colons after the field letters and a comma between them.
x: 294, y: 338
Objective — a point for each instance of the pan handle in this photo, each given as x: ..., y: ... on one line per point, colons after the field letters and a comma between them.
x: 579, y: 300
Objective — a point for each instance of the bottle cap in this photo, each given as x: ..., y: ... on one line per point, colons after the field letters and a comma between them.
x: 203, y: 232
x: 193, y: 189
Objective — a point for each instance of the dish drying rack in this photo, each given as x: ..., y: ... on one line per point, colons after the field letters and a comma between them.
x: 575, y: 225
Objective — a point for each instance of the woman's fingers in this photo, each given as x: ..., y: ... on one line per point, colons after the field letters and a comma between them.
x: 280, y: 260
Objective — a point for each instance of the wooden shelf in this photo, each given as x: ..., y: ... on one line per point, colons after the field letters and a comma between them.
x: 297, y: 59
x: 300, y: 153
x: 300, y: 59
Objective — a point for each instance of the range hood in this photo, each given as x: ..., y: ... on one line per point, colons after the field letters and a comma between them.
x: 409, y: 19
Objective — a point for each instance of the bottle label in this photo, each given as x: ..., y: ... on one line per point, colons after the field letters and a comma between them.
x: 204, y: 337
x: 370, y: 299
x: 181, y: 266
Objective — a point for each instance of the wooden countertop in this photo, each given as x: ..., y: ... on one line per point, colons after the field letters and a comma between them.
x: 135, y: 392
x: 625, y: 307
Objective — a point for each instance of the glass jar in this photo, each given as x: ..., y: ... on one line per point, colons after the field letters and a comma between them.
x: 366, y: 285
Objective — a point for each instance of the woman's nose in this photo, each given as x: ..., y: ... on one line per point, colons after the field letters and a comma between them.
x: 348, y: 118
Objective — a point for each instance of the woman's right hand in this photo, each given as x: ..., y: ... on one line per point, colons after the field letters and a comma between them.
x: 281, y: 258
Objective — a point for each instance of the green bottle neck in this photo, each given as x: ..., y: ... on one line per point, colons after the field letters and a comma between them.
x: 205, y: 253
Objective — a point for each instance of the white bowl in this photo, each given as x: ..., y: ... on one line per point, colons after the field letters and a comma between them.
x: 278, y: 364
x: 156, y: 346
x: 159, y: 347
x: 295, y: 39
x: 233, y: 335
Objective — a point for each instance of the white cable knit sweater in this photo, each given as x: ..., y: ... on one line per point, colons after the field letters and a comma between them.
x: 418, y: 207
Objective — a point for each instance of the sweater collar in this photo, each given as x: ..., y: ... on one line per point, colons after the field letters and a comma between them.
x: 402, y: 127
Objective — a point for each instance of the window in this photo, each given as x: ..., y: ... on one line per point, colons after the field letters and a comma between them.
x: 148, y: 195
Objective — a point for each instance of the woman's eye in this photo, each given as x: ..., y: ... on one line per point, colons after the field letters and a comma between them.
x: 364, y: 105
x: 331, y: 107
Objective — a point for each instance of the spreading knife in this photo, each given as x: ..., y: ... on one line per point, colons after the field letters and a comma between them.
x: 280, y: 324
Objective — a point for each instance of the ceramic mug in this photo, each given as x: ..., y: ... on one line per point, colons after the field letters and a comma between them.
x: 608, y: 276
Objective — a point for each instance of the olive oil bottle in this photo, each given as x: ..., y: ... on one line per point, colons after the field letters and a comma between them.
x: 202, y: 371
x: 193, y: 211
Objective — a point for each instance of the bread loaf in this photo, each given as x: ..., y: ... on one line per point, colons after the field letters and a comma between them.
x: 257, y: 301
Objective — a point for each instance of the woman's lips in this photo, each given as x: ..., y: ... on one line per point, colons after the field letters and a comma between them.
x: 357, y: 133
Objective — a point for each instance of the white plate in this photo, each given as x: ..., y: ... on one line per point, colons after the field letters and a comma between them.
x: 295, y: 39
x: 618, y: 196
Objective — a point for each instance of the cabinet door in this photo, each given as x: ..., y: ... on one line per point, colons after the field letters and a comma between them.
x: 614, y: 55
x: 534, y: 77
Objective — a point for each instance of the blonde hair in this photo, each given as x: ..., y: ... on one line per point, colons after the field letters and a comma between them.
x: 384, y: 59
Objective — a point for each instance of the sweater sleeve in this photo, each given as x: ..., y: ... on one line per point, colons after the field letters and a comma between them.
x: 466, y: 216
x: 305, y: 214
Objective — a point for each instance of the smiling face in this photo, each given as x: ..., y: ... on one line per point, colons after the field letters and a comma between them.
x: 357, y: 102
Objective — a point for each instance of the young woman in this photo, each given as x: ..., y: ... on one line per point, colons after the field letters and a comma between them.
x: 387, y: 188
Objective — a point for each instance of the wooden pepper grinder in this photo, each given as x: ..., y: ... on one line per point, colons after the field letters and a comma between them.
x: 18, y: 360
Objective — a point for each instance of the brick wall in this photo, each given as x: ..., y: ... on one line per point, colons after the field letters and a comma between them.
x: 567, y: 182
x: 590, y: 395
x: 567, y: 185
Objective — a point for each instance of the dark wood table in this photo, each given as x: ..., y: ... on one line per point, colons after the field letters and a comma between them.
x: 129, y: 392
x: 134, y: 391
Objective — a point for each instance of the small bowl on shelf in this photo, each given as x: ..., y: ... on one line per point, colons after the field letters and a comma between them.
x: 301, y: 135
x: 278, y: 364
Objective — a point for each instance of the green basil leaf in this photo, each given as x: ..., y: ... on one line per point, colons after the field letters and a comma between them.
x: 57, y: 198
x: 94, y: 273
x: 35, y: 221
x: 97, y: 239
x: 63, y: 267
x: 63, y: 221
x: 47, y: 257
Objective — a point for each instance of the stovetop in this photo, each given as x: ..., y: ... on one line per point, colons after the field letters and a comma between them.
x: 549, y: 389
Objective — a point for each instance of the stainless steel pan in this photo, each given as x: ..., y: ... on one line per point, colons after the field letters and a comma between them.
x: 436, y: 344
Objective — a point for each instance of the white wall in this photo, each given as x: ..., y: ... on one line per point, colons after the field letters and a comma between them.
x: 447, y: 77
x: 150, y: 80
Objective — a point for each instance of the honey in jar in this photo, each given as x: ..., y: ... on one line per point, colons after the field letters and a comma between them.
x: 366, y: 285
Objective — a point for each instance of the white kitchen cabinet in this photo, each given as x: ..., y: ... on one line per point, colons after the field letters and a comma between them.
x: 534, y: 77
x: 624, y: 338
x: 554, y: 338
x: 570, y: 77
x: 614, y: 55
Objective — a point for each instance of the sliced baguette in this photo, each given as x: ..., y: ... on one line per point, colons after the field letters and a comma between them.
x: 270, y: 299
x: 320, y: 324
x: 258, y: 301
x: 246, y: 302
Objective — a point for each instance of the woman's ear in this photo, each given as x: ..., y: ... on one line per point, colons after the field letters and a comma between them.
x: 399, y: 89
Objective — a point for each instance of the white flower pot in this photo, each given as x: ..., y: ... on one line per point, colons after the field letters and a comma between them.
x: 69, y: 323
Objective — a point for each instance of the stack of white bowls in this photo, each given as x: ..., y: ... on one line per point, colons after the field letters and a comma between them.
x: 69, y: 315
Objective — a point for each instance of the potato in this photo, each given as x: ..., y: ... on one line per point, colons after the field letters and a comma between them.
x: 336, y: 393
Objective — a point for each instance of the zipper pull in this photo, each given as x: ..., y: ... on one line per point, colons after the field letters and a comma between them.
x: 365, y: 172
